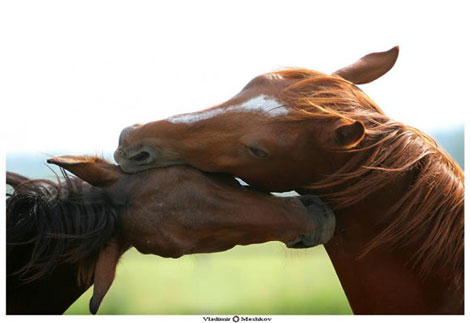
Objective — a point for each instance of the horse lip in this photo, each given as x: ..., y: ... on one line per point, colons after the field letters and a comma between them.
x: 294, y: 243
x: 117, y: 156
x: 324, y: 222
x: 131, y: 169
x: 299, y: 244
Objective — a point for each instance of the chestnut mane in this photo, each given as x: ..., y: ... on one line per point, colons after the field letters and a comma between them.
x: 430, y: 211
x: 49, y: 224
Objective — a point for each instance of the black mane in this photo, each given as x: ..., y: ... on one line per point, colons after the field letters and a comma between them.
x: 49, y: 224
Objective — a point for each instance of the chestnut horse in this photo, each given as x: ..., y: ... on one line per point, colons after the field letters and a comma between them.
x: 61, y: 238
x: 398, y: 199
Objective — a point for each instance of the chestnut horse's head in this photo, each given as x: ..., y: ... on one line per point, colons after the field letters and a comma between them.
x: 178, y: 210
x: 291, y: 117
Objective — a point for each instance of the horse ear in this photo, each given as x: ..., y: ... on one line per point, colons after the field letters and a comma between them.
x: 14, y: 179
x: 96, y: 171
x: 105, y: 271
x: 349, y: 135
x: 369, y: 67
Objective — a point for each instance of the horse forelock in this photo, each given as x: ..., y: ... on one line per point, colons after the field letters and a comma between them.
x: 57, y: 223
x: 430, y: 212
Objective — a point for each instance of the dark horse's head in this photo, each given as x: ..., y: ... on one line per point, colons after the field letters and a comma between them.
x: 62, y: 238
x: 55, y: 232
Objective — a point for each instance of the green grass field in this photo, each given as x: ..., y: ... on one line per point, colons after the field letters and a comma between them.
x: 258, y: 279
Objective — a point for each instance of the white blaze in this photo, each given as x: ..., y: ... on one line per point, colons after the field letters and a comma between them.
x: 261, y: 103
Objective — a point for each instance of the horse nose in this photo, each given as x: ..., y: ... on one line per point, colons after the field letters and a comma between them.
x: 132, y: 161
x: 120, y: 154
x: 125, y: 132
x: 324, y: 219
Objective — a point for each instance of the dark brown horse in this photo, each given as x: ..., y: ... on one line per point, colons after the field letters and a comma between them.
x: 398, y: 198
x: 62, y: 238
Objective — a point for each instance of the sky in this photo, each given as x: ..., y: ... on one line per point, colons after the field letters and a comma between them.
x: 73, y: 74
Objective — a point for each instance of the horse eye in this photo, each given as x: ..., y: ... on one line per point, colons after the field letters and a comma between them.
x: 257, y: 152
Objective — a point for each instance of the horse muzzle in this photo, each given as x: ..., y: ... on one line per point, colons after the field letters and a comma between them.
x: 135, y: 160
x: 324, y: 223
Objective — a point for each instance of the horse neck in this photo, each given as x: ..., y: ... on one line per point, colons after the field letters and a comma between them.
x: 382, y: 281
x: 52, y: 294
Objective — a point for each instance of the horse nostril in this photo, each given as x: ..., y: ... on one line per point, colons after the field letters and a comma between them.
x: 140, y: 157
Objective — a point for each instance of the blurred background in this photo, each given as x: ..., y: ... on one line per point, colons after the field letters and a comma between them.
x: 73, y: 74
